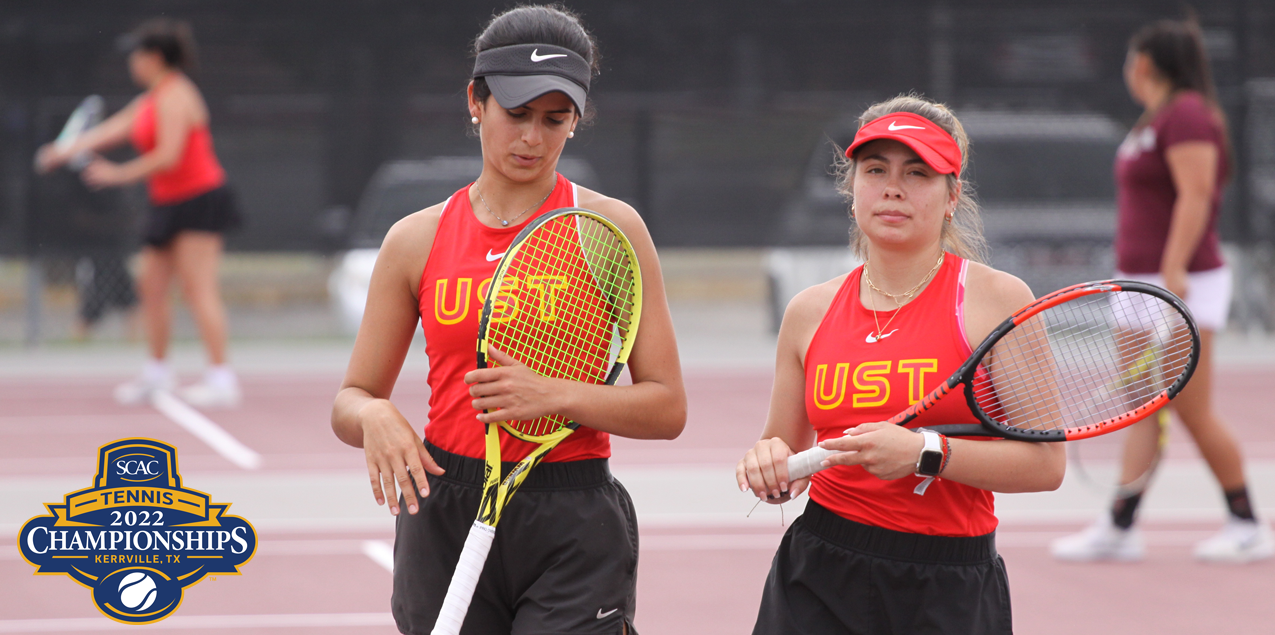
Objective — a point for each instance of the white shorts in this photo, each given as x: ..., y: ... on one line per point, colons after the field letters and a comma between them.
x: 1208, y: 294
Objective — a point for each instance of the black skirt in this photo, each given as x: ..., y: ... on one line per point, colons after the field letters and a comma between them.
x: 212, y: 211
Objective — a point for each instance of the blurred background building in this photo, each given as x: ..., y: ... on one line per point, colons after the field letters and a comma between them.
x: 716, y: 121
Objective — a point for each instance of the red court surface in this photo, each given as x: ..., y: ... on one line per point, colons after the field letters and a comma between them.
x: 693, y: 577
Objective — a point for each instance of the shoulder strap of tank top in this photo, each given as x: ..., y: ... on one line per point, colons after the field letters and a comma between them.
x: 960, y: 305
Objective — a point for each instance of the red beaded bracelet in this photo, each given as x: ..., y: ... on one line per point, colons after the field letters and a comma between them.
x: 947, y: 452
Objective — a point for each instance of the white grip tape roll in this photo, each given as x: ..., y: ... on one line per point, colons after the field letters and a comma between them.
x: 804, y: 464
x: 465, y: 580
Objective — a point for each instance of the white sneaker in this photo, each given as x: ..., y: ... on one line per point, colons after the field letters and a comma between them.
x: 138, y: 391
x: 218, y: 389
x: 1101, y: 541
x: 1238, y: 542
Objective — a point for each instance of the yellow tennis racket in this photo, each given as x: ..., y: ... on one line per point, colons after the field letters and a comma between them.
x: 565, y: 300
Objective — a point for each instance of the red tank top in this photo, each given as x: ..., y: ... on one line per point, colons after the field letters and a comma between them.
x: 453, y: 287
x: 196, y: 172
x: 852, y: 380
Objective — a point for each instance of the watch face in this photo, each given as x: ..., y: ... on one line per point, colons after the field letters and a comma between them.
x: 931, y: 461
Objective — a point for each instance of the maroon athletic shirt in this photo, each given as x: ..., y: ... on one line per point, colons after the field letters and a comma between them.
x: 1145, y: 193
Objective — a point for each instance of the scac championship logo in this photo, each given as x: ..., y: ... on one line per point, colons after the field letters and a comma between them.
x: 137, y: 538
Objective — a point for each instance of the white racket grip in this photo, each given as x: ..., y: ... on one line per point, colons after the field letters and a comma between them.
x: 805, y: 463
x: 465, y: 580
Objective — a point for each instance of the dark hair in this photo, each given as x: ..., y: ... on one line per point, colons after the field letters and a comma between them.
x: 538, y: 24
x: 172, y: 39
x: 1176, y: 50
x: 963, y: 236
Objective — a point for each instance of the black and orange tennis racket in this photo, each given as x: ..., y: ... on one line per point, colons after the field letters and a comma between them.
x: 565, y: 300
x: 1083, y: 361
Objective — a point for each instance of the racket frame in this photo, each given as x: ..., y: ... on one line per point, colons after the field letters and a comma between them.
x: 89, y: 113
x: 498, y: 489
x: 808, y: 462
x: 989, y: 427
x: 506, y: 487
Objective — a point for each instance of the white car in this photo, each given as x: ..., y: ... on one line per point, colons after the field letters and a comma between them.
x: 399, y: 188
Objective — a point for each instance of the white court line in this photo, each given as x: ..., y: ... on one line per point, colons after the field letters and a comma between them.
x: 214, y: 435
x: 187, y: 622
x: 380, y: 552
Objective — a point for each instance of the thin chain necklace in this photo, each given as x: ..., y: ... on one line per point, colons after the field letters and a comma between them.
x: 898, y: 306
x: 503, y: 222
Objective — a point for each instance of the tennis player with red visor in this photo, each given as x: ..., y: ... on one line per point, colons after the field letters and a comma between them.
x: 870, y: 555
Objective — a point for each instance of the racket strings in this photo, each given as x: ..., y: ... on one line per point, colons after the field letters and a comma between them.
x: 574, y: 295
x: 1084, y: 362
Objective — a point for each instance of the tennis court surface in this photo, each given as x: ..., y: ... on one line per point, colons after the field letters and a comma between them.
x: 325, y: 550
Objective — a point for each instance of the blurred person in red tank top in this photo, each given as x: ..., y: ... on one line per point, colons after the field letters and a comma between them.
x: 190, y: 205
x: 1170, y: 172
x: 869, y: 554
x: 533, y: 66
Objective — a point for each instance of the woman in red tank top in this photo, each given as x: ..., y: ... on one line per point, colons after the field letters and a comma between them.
x: 190, y: 206
x: 870, y: 555
x: 573, y: 527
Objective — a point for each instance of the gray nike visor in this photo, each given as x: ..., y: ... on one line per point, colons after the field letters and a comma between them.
x: 521, y: 73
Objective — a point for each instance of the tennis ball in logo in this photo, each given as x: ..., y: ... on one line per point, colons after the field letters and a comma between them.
x: 137, y: 591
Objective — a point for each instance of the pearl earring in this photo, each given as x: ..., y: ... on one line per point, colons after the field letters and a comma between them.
x: 571, y: 134
x: 473, y: 120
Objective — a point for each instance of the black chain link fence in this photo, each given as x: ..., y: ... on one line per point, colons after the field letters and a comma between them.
x: 710, y: 116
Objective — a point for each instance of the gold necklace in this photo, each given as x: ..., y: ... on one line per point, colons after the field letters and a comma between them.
x: 910, y: 293
x: 503, y: 222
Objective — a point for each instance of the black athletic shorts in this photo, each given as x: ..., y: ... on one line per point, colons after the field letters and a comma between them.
x: 564, y: 559
x: 833, y: 575
x: 213, y: 211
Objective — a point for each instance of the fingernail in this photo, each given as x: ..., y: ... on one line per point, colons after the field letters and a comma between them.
x: 776, y: 494
x: 847, y: 431
x: 743, y: 487
x: 783, y: 487
x: 394, y: 510
x: 411, y: 509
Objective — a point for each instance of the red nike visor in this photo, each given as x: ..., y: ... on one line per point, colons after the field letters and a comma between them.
x: 933, y: 144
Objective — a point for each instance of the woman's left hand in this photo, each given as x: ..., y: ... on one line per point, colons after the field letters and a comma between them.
x: 515, y: 392
x: 885, y: 450
x: 102, y: 173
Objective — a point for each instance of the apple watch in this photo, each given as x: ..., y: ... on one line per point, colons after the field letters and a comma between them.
x: 930, y: 462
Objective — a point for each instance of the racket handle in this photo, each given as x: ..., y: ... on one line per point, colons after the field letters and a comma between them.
x: 804, y: 464
x: 465, y: 580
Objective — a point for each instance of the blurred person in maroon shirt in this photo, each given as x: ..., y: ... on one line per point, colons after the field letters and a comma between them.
x: 1170, y: 172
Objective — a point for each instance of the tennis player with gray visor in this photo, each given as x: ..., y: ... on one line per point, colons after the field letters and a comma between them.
x: 564, y: 557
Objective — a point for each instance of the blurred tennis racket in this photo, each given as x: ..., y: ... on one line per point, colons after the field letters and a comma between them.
x: 86, y: 115
x: 1111, y: 486
x: 1083, y: 361
x: 565, y: 300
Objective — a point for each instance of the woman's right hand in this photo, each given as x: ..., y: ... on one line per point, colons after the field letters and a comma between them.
x: 49, y: 158
x: 395, y: 456
x: 764, y: 469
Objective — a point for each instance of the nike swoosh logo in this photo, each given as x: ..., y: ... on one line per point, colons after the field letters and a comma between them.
x: 494, y: 257
x: 873, y: 340
x: 602, y: 615
x: 895, y: 126
x: 541, y: 58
